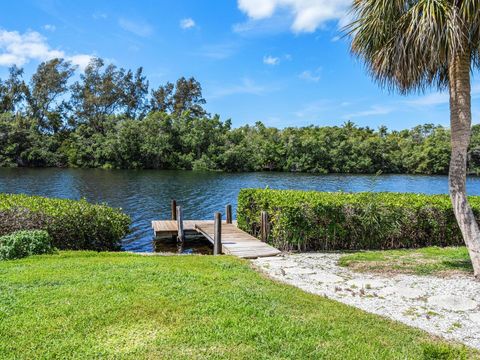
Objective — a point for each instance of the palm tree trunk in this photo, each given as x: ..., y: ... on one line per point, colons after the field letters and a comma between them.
x: 460, y: 124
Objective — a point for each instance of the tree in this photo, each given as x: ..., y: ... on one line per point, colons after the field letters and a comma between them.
x: 47, y: 86
x: 410, y: 45
x: 12, y: 90
x: 98, y: 94
x: 161, y: 99
x: 185, y: 95
x: 188, y: 97
x: 134, y: 92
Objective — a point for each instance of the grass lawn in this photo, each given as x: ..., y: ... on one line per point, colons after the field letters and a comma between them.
x: 425, y: 261
x: 115, y: 305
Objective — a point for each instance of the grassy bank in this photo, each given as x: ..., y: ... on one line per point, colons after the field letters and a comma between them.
x: 117, y: 305
x: 425, y: 261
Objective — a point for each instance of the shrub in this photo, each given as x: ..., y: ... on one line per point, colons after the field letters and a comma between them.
x: 15, y: 219
x: 73, y: 225
x: 21, y: 244
x: 308, y: 220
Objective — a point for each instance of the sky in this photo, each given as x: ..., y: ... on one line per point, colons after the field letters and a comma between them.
x: 282, y: 62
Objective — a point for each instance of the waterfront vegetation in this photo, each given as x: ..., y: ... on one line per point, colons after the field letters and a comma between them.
x: 425, y: 261
x: 25, y: 243
x: 309, y: 220
x: 72, y: 225
x: 81, y: 305
x: 109, y: 119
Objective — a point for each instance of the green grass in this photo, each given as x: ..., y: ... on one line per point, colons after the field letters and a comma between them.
x: 425, y: 261
x: 88, y: 305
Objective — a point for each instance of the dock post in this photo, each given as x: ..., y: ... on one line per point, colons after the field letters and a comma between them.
x: 264, y: 226
x: 229, y: 213
x: 217, y: 235
x: 174, y: 209
x: 181, y: 233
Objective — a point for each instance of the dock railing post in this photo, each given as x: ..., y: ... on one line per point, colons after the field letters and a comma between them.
x: 264, y: 226
x: 181, y: 233
x: 217, y: 235
x: 174, y: 209
x: 229, y: 213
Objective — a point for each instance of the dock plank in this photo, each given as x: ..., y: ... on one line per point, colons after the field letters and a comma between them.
x: 234, y: 240
x: 237, y: 242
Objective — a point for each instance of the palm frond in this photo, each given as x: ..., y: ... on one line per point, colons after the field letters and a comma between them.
x: 406, y: 44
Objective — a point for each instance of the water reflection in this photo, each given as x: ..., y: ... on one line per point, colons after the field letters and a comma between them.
x: 192, y: 245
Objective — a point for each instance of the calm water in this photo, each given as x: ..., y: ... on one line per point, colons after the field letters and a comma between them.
x: 145, y: 195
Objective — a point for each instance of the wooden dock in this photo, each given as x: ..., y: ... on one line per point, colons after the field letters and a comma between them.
x: 237, y: 242
x: 234, y: 241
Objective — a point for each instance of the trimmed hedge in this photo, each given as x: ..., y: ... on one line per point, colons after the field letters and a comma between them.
x: 72, y: 224
x: 308, y: 220
x: 24, y: 243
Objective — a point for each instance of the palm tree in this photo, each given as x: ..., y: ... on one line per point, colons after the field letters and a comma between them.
x: 410, y: 45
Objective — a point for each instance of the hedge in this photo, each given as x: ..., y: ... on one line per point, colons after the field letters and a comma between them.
x: 24, y: 243
x: 309, y: 220
x: 72, y: 224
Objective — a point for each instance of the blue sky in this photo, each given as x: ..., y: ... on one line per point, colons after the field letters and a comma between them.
x: 278, y: 61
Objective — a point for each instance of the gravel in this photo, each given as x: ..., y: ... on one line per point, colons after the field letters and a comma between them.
x: 446, y: 307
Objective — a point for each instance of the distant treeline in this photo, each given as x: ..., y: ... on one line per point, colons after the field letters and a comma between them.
x: 109, y: 118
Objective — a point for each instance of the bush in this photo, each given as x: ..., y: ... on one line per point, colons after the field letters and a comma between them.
x: 16, y: 219
x: 307, y: 220
x: 21, y: 244
x: 73, y: 225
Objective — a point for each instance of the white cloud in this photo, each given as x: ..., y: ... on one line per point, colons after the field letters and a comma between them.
x: 314, y: 109
x: 430, y: 100
x: 258, y: 9
x: 441, y: 98
x: 310, y: 76
x: 375, y: 110
x: 247, y: 86
x: 19, y: 49
x: 307, y: 15
x: 139, y: 28
x: 99, y: 16
x: 476, y: 90
x: 219, y: 51
x: 271, y: 60
x: 81, y: 60
x: 252, y: 27
x: 187, y: 23
x: 50, y: 27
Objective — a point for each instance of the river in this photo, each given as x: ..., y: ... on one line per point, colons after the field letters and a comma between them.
x: 145, y: 194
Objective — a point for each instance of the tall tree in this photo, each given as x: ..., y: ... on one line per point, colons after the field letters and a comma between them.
x: 12, y: 90
x: 411, y: 45
x: 98, y: 94
x: 188, y: 97
x: 134, y: 89
x: 44, y: 97
x: 162, y: 98
x: 185, y: 95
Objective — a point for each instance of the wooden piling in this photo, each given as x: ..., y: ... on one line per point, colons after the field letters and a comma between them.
x: 217, y: 236
x: 264, y: 226
x: 228, y: 211
x: 174, y: 209
x: 181, y: 232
